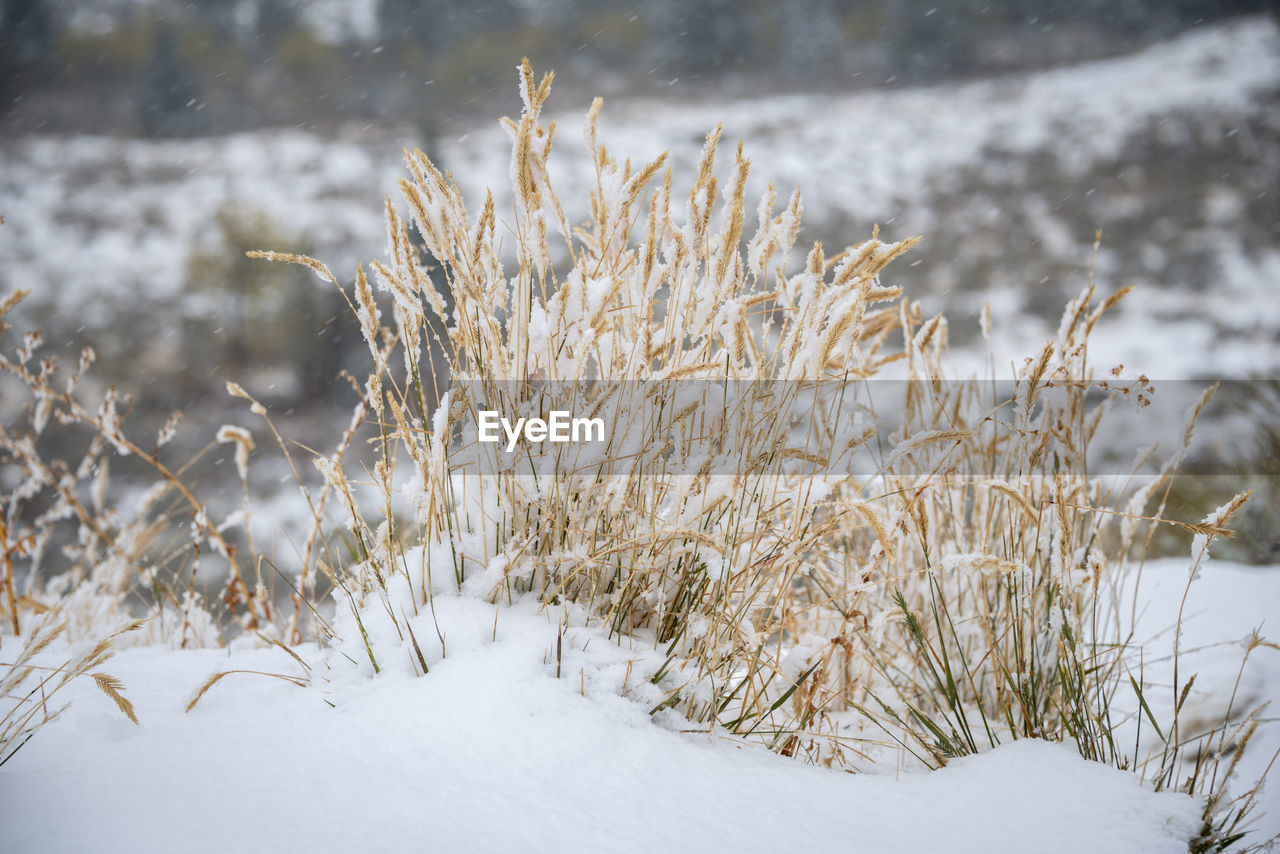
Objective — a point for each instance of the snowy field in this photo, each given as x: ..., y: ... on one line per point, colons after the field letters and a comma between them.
x: 493, y: 751
x: 531, y: 727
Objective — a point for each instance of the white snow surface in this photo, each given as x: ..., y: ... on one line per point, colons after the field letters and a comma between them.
x: 1223, y: 605
x: 491, y: 751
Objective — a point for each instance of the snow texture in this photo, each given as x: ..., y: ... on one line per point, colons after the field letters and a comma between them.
x: 490, y: 751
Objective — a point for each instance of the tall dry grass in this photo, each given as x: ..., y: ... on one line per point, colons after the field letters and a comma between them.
x: 818, y: 580
x: 965, y: 592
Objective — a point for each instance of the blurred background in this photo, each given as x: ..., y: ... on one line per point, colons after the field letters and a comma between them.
x: 146, y: 144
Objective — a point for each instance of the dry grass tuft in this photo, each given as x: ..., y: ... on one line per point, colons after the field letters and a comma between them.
x: 964, y: 591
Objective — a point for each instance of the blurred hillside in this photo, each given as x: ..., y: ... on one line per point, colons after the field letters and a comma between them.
x: 163, y: 68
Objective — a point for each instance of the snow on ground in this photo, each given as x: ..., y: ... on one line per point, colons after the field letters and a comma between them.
x: 1225, y: 603
x: 492, y: 751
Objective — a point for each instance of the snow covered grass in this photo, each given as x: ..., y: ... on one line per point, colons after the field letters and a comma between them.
x: 714, y: 565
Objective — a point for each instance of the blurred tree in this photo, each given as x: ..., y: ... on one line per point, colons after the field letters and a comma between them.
x: 169, y: 94
x: 811, y: 38
x: 932, y: 40
x: 219, y: 17
x: 440, y: 24
x: 277, y: 19
x: 28, y: 45
x: 414, y: 21
x: 708, y: 36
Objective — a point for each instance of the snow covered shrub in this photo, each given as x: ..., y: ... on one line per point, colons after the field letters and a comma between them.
x: 963, y: 590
